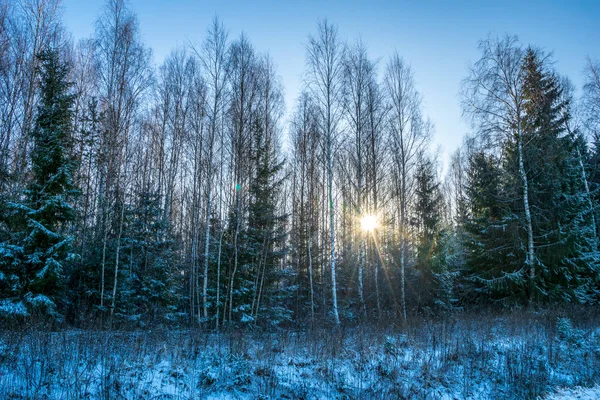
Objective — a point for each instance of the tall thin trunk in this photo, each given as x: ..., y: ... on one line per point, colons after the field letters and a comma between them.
x: 208, y: 205
x: 530, y: 260
x: 403, y: 201
x: 587, y: 189
x: 114, y: 294
x: 332, y: 233
x: 232, y: 278
x: 261, y: 272
x: 221, y: 233
x: 207, y: 244
x: 361, y: 261
x: 589, y: 200
x: 218, y: 296
x: 86, y: 205
x: 103, y: 266
x: 377, y: 281
x: 310, y: 280
x: 235, y: 251
x: 360, y: 276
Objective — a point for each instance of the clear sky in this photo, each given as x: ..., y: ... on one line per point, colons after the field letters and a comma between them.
x: 438, y: 38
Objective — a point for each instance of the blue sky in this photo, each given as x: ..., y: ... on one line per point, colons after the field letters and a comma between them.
x: 438, y: 38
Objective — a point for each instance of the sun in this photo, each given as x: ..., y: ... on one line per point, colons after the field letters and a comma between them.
x: 369, y: 223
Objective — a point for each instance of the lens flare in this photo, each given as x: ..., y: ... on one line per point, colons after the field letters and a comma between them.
x: 369, y: 223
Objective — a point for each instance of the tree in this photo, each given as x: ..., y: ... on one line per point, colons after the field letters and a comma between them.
x: 265, y: 236
x: 591, y: 98
x: 242, y: 113
x: 358, y: 75
x: 433, y: 279
x: 561, y: 216
x: 45, y: 215
x: 409, y: 135
x: 305, y: 184
x: 493, y: 98
x: 122, y: 63
x: 376, y: 178
x: 521, y: 115
x: 492, y: 271
x: 37, y: 28
x: 214, y: 60
x: 148, y: 276
x: 324, y: 62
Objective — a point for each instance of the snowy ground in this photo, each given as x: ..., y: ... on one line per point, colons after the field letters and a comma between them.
x: 468, y: 358
x: 576, y: 393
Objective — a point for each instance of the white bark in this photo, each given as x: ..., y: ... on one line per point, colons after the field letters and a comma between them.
x: 310, y: 280
x: 409, y: 135
x: 530, y: 260
x: 493, y: 96
x: 325, y: 71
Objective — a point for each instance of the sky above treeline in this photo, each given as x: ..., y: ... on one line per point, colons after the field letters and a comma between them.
x: 438, y: 38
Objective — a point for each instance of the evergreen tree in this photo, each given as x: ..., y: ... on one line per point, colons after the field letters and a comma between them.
x: 40, y: 223
x: 592, y: 165
x: 497, y: 231
x: 258, y: 297
x: 266, y: 232
x: 434, y: 280
x: 493, y: 253
x: 147, y: 278
x: 556, y: 191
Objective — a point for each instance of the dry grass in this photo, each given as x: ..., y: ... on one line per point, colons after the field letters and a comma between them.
x: 521, y: 355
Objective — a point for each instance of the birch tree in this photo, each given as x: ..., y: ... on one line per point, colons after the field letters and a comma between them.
x: 377, y: 156
x: 243, y: 83
x: 358, y: 75
x: 124, y: 76
x: 494, y: 101
x: 409, y: 134
x: 213, y: 56
x: 591, y: 97
x: 324, y: 75
x: 305, y: 167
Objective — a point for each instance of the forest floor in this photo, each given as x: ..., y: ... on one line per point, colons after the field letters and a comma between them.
x: 517, y: 355
x: 578, y: 393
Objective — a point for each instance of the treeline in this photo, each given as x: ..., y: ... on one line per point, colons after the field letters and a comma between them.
x: 132, y: 195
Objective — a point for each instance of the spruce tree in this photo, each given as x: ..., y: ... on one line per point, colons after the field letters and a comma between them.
x: 494, y: 256
x: 41, y: 220
x: 433, y: 278
x: 145, y: 292
x: 258, y: 297
x: 556, y: 191
x: 266, y: 233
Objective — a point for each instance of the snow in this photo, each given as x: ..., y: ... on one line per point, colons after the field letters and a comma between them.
x: 10, y: 308
x: 39, y: 300
x: 447, y: 360
x: 575, y: 393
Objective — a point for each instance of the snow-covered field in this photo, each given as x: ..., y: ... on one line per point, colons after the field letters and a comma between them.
x: 576, y: 393
x: 477, y: 358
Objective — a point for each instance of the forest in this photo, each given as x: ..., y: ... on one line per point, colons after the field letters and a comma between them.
x: 179, y: 196
x: 134, y: 196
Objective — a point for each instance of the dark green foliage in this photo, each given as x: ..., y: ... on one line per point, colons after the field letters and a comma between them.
x: 494, y: 254
x: 148, y: 266
x: 260, y: 295
x: 496, y: 232
x: 39, y: 248
x: 556, y: 189
x: 433, y: 279
x: 266, y: 235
